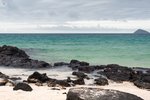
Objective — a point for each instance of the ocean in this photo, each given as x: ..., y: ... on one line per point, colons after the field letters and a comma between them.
x: 125, y: 49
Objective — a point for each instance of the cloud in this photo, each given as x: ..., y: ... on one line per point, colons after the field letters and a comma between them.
x: 102, y: 26
x: 77, y: 14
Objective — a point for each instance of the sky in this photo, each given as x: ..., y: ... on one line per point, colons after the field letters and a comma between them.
x: 75, y: 16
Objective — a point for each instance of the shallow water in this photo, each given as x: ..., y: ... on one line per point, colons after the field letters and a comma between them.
x: 129, y: 50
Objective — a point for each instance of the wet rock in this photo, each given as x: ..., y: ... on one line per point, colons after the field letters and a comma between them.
x: 74, y: 64
x: 117, y: 73
x: 98, y: 67
x: 99, y: 94
x: 86, y: 69
x: 23, y: 86
x: 60, y: 64
x: 101, y: 81
x: 80, y: 74
x: 37, y: 77
x: 82, y: 63
x: 15, y: 57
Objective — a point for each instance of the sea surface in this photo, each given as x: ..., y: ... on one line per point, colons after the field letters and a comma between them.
x: 128, y: 49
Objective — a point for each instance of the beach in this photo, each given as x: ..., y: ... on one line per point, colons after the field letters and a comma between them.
x: 47, y: 93
x: 30, y: 73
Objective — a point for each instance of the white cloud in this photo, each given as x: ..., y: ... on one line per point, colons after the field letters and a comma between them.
x: 55, y: 15
x: 77, y: 26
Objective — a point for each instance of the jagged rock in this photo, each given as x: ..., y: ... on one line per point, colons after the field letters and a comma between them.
x: 37, y: 77
x: 23, y: 86
x: 15, y: 57
x: 99, y: 94
x: 101, y: 81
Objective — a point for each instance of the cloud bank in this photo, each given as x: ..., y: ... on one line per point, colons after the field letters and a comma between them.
x: 74, y: 16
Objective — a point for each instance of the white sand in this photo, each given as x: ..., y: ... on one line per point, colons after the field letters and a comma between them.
x: 45, y: 93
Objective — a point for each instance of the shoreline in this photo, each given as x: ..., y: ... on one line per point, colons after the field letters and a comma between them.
x: 32, y: 75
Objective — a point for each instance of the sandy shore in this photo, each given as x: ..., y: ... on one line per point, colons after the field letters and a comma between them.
x: 46, y: 93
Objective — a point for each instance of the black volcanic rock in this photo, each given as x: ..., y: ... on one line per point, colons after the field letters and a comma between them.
x: 117, y: 73
x: 80, y: 74
x: 15, y: 57
x: 23, y: 86
x: 101, y: 81
x: 141, y: 31
x: 99, y: 94
x: 37, y: 77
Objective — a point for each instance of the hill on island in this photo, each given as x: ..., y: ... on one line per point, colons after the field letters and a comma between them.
x: 141, y: 31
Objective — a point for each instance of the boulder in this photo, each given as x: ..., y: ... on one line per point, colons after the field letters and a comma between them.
x: 37, y: 77
x: 15, y: 57
x: 99, y: 94
x: 101, y: 81
x: 23, y: 86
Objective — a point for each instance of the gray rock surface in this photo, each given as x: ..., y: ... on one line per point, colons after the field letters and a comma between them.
x: 99, y: 94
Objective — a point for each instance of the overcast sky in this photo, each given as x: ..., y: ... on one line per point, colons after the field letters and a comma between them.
x: 74, y: 15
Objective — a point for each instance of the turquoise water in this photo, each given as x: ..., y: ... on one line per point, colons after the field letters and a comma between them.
x: 130, y: 50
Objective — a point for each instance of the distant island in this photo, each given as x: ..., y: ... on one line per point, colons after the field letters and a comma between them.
x: 141, y: 31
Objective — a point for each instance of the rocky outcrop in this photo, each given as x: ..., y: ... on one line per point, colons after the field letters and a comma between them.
x: 15, y: 57
x: 99, y: 94
x: 117, y: 73
x: 23, y: 86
